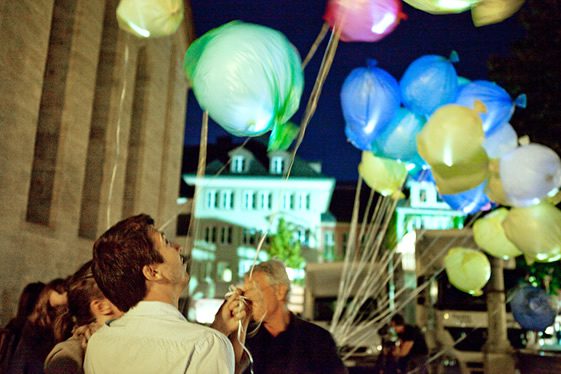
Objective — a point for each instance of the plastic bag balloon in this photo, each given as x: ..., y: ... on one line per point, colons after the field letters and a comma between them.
x: 398, y: 139
x: 536, y: 231
x: 503, y: 140
x: 248, y: 77
x: 468, y: 269
x: 370, y: 99
x: 489, y: 235
x: 428, y: 83
x: 383, y: 175
x: 150, y: 18
x: 487, y: 12
x: 363, y: 20
x: 497, y: 101
x: 533, y: 308
x: 469, y: 201
x: 442, y: 7
x: 529, y: 173
x: 451, y: 143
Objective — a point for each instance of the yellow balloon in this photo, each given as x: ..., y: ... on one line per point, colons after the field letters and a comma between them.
x: 442, y: 7
x: 383, y: 175
x: 489, y: 235
x: 468, y: 269
x: 452, y: 144
x: 150, y: 18
x: 487, y: 12
x: 536, y: 231
x: 494, y: 189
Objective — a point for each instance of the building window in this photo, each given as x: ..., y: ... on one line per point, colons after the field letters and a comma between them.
x: 248, y: 237
x: 210, y: 234
x: 227, y: 200
x: 223, y: 272
x: 286, y: 200
x: 344, y: 242
x: 277, y: 165
x: 211, y: 199
x: 265, y: 199
x: 308, y: 201
x: 422, y: 195
x: 303, y: 201
x: 238, y: 164
x: 250, y: 200
x: 226, y: 235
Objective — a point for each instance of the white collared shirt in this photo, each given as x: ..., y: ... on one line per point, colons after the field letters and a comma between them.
x: 154, y: 337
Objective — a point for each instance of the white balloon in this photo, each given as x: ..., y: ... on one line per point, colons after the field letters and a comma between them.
x: 529, y: 173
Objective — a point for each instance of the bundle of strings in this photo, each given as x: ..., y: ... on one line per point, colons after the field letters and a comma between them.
x: 236, y: 290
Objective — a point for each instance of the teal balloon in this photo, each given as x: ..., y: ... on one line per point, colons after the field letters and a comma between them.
x: 398, y: 140
x: 248, y: 77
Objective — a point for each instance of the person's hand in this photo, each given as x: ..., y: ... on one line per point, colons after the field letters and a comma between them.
x: 254, y: 298
x: 231, y: 312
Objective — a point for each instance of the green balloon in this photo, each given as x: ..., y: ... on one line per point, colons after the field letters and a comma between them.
x: 248, y: 77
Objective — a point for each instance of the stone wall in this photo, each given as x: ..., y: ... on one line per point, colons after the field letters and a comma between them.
x: 91, y: 131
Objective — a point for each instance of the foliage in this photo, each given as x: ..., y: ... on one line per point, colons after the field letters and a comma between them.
x: 544, y: 275
x: 533, y: 68
x: 285, y: 247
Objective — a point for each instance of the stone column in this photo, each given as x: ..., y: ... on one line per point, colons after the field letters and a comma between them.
x: 498, y: 353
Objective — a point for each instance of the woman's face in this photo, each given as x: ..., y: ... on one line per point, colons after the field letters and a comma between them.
x: 57, y: 299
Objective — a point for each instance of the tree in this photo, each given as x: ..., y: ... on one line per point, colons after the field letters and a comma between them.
x: 533, y: 68
x: 285, y: 247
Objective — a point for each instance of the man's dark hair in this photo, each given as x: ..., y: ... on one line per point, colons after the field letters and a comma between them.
x: 119, y: 255
x: 398, y: 320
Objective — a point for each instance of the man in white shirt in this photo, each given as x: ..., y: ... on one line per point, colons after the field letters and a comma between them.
x: 143, y: 274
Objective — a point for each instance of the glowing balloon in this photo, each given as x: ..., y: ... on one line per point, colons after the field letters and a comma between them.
x: 469, y: 201
x: 536, y: 231
x: 487, y: 12
x: 503, y: 140
x: 442, y: 7
x: 533, y: 308
x: 468, y: 269
x: 248, y: 77
x: 489, y: 235
x: 150, y: 18
x: 497, y: 101
x: 370, y: 99
x: 428, y: 83
x: 363, y: 20
x: 451, y: 143
x: 398, y: 139
x: 383, y: 175
x: 529, y: 173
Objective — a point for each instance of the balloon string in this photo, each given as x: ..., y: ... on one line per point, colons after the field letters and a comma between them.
x: 316, y: 91
x: 315, y: 45
x: 232, y: 290
x: 118, y: 130
x: 200, y: 174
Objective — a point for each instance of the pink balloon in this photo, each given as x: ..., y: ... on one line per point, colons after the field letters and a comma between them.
x: 363, y: 20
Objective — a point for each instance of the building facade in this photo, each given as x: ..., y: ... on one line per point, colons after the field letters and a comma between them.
x: 92, y: 123
x: 240, y: 201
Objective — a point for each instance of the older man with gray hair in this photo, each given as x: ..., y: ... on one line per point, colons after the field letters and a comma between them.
x: 285, y: 343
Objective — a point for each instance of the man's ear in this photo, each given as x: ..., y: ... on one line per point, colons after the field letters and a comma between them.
x: 282, y: 292
x: 151, y: 272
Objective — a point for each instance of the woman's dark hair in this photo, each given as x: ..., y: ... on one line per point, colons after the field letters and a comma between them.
x: 44, y: 317
x: 28, y: 299
x: 119, y: 257
x: 82, y: 290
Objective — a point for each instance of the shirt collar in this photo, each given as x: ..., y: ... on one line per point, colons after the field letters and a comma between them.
x: 155, y: 308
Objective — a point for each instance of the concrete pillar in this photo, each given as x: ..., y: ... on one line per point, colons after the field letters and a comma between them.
x: 498, y: 353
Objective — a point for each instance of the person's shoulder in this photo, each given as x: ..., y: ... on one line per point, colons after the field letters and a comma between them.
x: 66, y: 357
x: 310, y: 327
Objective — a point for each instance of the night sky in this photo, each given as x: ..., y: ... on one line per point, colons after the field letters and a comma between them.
x: 301, y: 21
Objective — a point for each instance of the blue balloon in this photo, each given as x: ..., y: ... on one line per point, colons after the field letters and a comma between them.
x: 428, y: 83
x: 398, y: 140
x: 419, y: 170
x: 470, y: 201
x: 498, y: 103
x: 357, y: 138
x: 533, y: 308
x: 370, y: 98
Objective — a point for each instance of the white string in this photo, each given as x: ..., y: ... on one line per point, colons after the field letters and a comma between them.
x: 118, y: 130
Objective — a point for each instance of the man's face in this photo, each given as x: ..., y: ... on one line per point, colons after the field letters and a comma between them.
x: 266, y: 299
x: 174, y: 268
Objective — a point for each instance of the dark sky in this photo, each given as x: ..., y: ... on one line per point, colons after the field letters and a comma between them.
x: 301, y: 21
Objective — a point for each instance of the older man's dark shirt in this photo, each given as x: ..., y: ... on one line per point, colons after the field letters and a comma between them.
x: 303, y: 348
